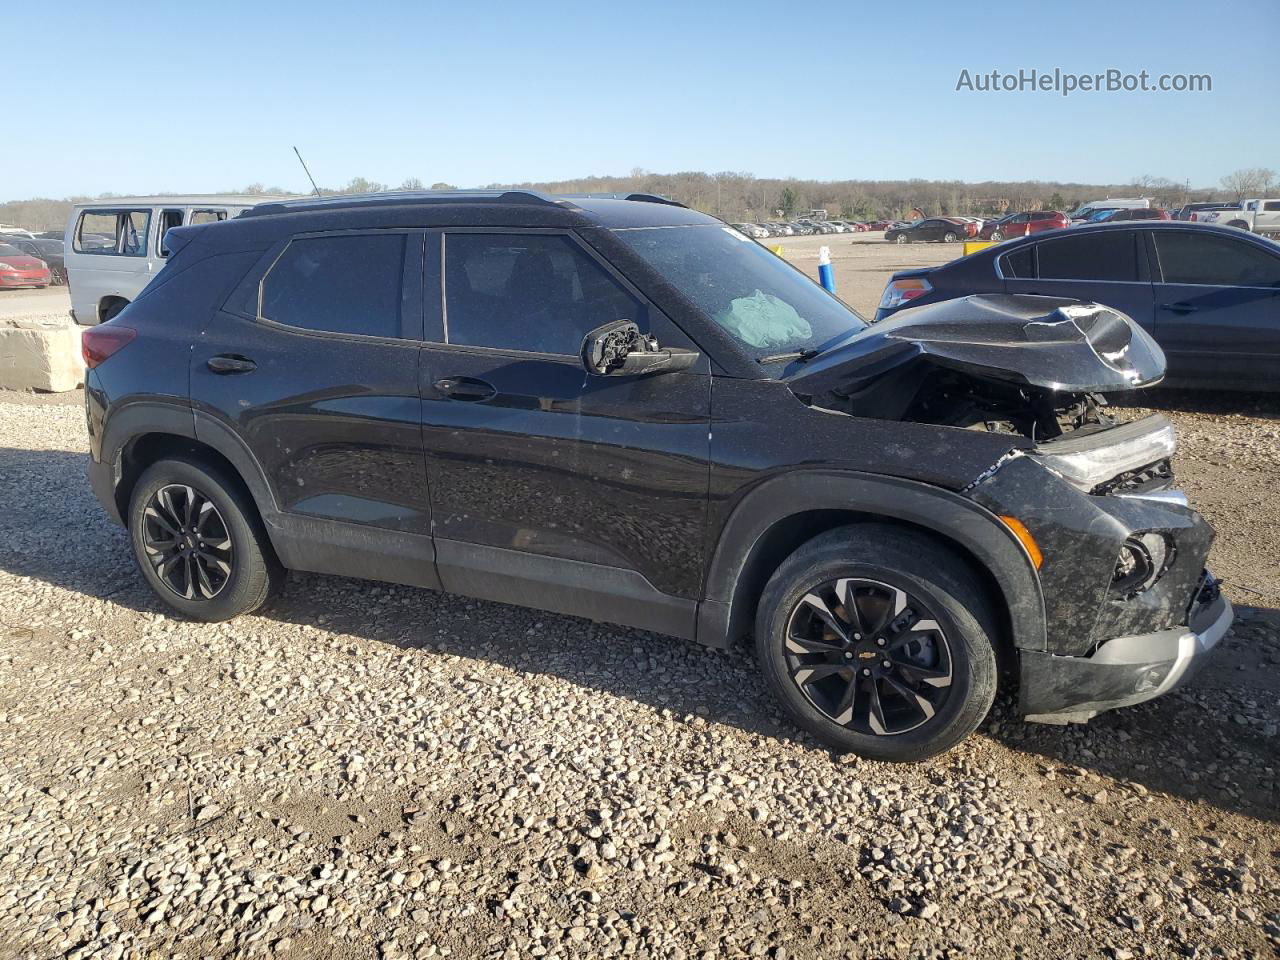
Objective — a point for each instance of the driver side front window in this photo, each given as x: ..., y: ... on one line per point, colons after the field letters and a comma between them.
x: 535, y: 293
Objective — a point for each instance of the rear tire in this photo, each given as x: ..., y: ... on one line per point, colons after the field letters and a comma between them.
x: 949, y: 238
x: 198, y: 576
x: 909, y: 674
x: 997, y: 236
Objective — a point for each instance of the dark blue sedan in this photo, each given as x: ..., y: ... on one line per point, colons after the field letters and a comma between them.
x: 1209, y: 295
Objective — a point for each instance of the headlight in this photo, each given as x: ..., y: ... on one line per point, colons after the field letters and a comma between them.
x: 1088, y: 461
x: 1143, y: 559
x: 7, y: 266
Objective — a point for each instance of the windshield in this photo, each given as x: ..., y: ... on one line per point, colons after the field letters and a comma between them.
x: 7, y: 250
x: 1098, y: 215
x: 765, y: 304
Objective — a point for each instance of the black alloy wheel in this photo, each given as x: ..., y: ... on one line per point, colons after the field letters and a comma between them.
x: 869, y: 656
x: 188, y: 542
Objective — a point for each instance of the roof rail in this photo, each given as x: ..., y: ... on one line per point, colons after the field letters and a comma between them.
x: 639, y: 197
x: 393, y: 197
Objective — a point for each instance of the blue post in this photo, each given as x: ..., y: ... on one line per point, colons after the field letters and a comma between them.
x: 825, y: 274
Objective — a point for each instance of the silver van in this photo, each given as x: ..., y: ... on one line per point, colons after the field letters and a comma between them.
x: 114, y: 247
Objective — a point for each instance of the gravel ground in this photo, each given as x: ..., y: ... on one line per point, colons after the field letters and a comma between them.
x: 373, y: 771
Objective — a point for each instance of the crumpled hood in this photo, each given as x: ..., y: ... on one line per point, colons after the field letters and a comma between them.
x: 1047, y: 342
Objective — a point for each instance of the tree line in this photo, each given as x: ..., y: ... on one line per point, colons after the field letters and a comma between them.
x: 734, y: 195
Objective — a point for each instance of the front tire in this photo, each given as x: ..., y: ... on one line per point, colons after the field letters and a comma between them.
x: 879, y: 642
x: 901, y: 238
x: 996, y: 236
x: 198, y: 543
x: 949, y: 237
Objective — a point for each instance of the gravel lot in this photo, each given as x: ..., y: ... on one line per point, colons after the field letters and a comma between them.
x: 373, y: 771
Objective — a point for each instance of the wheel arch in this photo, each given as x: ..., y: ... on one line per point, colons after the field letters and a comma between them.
x: 138, y: 434
x: 779, y: 515
x: 111, y: 304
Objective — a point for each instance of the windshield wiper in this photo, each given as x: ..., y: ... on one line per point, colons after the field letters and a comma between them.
x: 793, y: 355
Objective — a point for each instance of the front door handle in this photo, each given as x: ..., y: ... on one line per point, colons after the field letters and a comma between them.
x: 1179, y: 307
x: 228, y: 364
x: 467, y: 389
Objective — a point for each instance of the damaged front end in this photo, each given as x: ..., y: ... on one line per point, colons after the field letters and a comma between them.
x: 1129, y: 605
x: 1031, y: 366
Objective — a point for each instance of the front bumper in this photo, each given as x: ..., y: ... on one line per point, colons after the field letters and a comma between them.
x: 1125, y: 670
x: 30, y: 278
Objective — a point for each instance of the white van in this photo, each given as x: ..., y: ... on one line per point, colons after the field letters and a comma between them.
x: 1085, y: 211
x: 114, y: 247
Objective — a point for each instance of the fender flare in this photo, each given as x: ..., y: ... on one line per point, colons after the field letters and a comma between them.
x: 212, y: 432
x: 958, y: 519
x: 175, y: 417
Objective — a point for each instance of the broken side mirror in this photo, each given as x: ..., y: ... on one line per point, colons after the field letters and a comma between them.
x: 619, y: 349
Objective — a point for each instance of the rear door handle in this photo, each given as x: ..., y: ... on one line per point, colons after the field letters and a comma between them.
x: 1179, y: 307
x: 227, y: 364
x: 466, y: 388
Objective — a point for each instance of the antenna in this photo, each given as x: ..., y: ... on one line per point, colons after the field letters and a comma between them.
x: 308, y: 172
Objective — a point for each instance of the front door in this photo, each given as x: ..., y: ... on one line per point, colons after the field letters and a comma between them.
x: 1218, y: 308
x: 317, y: 375
x: 551, y: 487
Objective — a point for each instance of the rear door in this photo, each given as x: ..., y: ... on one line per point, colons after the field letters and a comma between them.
x: 1218, y: 307
x: 1102, y: 266
x: 313, y: 367
x: 551, y: 487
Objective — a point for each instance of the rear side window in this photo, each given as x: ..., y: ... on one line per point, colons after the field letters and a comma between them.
x: 343, y: 284
x: 1215, y: 261
x: 121, y: 233
x: 1091, y: 256
x: 531, y: 292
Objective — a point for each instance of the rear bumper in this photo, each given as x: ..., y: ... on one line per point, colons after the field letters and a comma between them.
x: 1123, y: 671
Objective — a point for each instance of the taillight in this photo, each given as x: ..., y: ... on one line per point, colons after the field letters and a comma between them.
x: 899, y: 292
x: 97, y: 344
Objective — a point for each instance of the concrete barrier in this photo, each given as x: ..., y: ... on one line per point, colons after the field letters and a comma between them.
x: 40, y: 354
x: 973, y: 246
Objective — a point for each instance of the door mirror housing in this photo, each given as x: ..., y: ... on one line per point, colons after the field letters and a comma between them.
x: 619, y: 349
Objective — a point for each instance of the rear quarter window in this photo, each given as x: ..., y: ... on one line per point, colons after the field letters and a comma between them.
x: 1017, y: 265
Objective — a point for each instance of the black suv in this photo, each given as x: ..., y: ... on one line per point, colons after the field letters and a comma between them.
x: 628, y: 411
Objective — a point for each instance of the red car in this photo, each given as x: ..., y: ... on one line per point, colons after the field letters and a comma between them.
x: 1021, y: 224
x: 17, y: 269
